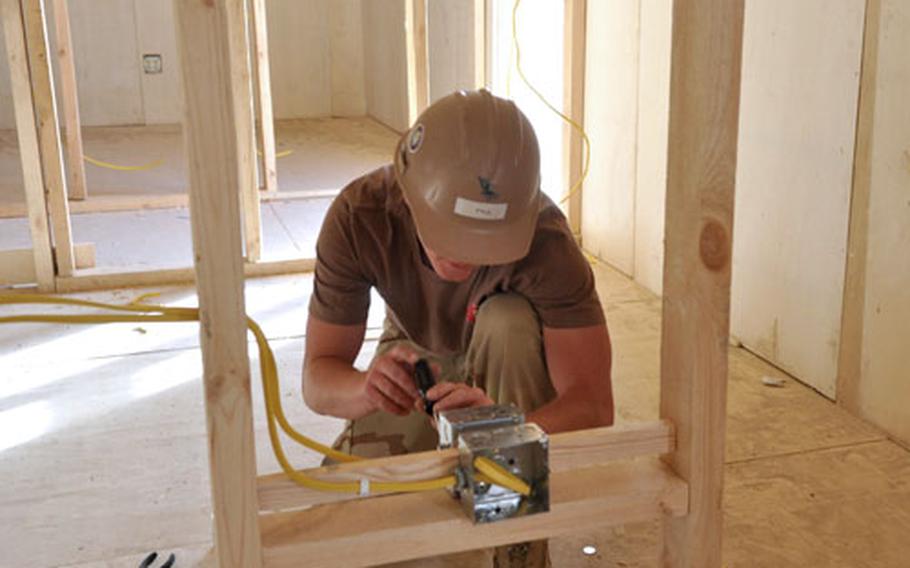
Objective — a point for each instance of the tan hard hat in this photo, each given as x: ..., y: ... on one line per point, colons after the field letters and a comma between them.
x: 469, y: 169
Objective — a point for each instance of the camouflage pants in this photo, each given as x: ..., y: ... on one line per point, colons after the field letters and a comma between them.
x: 505, y: 357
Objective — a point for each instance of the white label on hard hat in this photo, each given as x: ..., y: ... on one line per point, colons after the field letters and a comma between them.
x: 480, y: 210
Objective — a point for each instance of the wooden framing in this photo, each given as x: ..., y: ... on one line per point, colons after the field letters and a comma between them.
x: 574, y: 38
x: 684, y: 489
x: 242, y: 100
x: 480, y: 44
x: 42, y: 83
x: 214, y: 146
x: 417, y: 57
x: 701, y: 172
x: 17, y: 266
x: 27, y: 133
x: 69, y: 102
x: 262, y: 91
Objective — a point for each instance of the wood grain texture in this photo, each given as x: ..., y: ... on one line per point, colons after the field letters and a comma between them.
x: 242, y: 99
x: 18, y: 266
x: 34, y: 17
x: 262, y: 95
x: 27, y: 133
x: 701, y: 173
x: 401, y: 527
x: 570, y: 450
x: 415, y: 17
x: 574, y: 39
x: 69, y: 102
x: 212, y: 136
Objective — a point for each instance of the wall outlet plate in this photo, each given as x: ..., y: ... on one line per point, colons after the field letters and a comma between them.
x: 151, y: 63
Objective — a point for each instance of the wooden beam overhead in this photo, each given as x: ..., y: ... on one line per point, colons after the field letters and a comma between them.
x: 701, y: 172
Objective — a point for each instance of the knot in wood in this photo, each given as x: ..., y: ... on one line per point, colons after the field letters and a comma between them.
x: 714, y: 245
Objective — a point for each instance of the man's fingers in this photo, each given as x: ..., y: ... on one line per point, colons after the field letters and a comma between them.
x: 443, y: 389
x: 393, y: 370
x: 403, y: 354
x: 383, y: 402
x: 393, y: 391
x: 462, y: 397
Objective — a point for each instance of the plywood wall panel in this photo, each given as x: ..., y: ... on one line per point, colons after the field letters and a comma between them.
x: 611, y: 110
x: 299, y: 55
x: 155, y: 34
x: 797, y: 124
x: 450, y: 34
x: 346, y: 48
x: 385, y: 62
x: 651, y: 165
x: 884, y: 383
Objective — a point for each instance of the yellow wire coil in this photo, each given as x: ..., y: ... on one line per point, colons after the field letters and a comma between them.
x: 147, y: 313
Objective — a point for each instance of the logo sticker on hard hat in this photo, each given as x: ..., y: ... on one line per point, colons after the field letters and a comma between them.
x: 415, y: 140
x: 486, y: 188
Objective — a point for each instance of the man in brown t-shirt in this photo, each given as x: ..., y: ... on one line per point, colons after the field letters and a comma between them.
x: 479, y: 273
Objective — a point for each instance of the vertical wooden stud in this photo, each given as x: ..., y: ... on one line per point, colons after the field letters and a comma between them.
x: 574, y: 103
x: 211, y: 140
x: 480, y: 44
x: 27, y: 133
x: 417, y: 57
x: 33, y: 13
x: 69, y: 102
x: 241, y: 85
x: 262, y: 89
x: 701, y: 170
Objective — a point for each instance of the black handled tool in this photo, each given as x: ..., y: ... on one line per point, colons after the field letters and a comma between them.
x: 423, y: 376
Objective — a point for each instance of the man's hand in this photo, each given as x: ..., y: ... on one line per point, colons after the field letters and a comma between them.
x: 389, y: 383
x: 457, y: 395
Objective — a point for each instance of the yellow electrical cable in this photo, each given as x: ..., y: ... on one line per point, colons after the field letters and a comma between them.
x: 147, y: 313
x: 495, y: 473
x: 578, y: 128
x: 102, y: 164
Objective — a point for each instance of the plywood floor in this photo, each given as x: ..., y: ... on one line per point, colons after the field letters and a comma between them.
x: 102, y: 447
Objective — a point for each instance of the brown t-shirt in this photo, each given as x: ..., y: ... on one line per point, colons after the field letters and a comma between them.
x: 368, y: 239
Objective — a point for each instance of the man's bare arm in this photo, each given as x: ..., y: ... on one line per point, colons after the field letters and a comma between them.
x: 333, y: 386
x: 578, y: 360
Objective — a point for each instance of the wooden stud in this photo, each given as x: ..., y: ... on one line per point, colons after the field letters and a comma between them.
x: 48, y: 134
x: 241, y: 84
x: 366, y: 532
x: 69, y: 102
x: 568, y: 450
x: 701, y: 170
x: 574, y: 104
x: 480, y: 44
x: 262, y: 89
x: 212, y: 137
x: 27, y: 133
x: 417, y: 58
x: 849, y: 362
x: 18, y: 266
